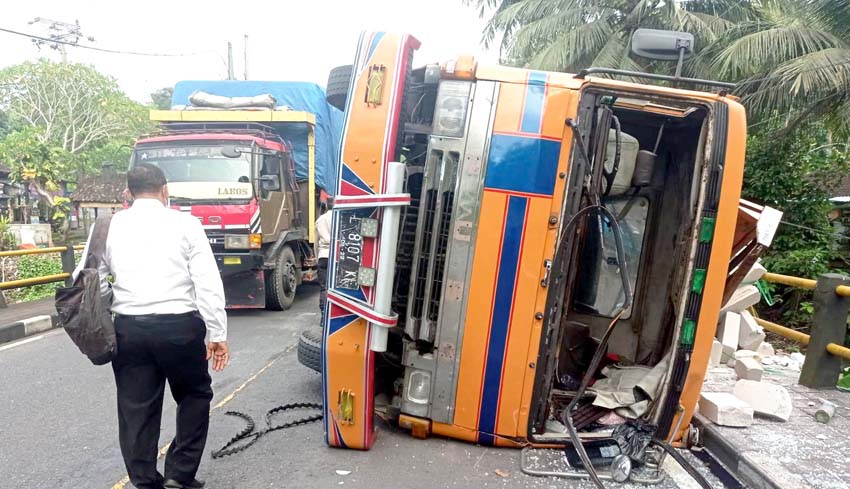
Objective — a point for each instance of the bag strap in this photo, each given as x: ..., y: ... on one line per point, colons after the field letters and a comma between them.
x: 97, y: 245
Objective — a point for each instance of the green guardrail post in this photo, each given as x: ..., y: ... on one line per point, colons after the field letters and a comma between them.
x: 68, y: 264
x: 829, y: 325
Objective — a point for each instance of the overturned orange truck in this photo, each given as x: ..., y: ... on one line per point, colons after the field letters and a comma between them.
x: 505, y: 241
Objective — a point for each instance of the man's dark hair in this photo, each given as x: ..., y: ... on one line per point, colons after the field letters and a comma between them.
x: 145, y: 178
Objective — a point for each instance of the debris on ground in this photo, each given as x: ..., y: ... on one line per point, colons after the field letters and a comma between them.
x: 502, y: 473
x: 766, y: 399
x: 825, y: 412
x: 725, y: 409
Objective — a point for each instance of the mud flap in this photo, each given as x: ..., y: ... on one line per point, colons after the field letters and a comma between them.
x: 244, y: 282
x: 373, y: 107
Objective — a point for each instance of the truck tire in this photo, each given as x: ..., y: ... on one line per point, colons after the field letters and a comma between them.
x: 310, y: 349
x: 282, y: 281
x: 337, y: 90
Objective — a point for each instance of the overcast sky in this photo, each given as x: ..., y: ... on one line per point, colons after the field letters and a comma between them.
x: 287, y: 40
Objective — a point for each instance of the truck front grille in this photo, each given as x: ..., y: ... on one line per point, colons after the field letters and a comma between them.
x: 435, y: 218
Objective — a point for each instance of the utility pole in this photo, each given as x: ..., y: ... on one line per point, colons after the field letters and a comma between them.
x: 60, y: 35
x: 245, y: 56
x: 230, y: 75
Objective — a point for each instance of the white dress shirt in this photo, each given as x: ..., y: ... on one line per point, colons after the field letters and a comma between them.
x: 323, y: 235
x: 161, y: 263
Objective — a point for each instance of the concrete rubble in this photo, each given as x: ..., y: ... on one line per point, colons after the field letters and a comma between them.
x: 740, y: 345
x: 727, y: 334
x: 748, y: 368
x: 725, y: 409
x: 745, y: 297
x: 766, y: 399
x: 750, y: 334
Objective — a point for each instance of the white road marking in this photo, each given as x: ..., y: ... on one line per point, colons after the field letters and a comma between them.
x: 25, y: 341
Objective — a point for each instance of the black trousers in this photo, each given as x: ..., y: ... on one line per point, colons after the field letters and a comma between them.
x: 322, y: 267
x: 151, y: 350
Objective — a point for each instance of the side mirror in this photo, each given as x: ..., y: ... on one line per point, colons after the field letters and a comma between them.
x: 662, y: 45
x: 230, y: 152
x: 270, y: 183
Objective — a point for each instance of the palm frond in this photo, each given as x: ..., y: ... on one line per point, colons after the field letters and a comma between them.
x: 574, y: 49
x: 729, y: 10
x: 770, y: 46
x: 527, y: 40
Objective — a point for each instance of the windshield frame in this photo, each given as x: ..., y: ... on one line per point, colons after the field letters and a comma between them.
x: 250, y: 157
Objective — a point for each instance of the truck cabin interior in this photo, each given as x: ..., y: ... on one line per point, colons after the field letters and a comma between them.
x: 653, y: 151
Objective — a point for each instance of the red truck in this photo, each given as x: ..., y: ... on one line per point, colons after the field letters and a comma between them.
x: 254, y: 177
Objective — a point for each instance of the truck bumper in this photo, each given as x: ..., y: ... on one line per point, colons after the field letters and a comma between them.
x: 244, y: 280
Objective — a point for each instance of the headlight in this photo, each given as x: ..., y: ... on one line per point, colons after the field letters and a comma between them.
x: 450, y: 112
x: 243, y: 241
x: 419, y: 387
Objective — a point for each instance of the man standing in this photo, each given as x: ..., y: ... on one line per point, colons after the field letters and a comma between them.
x: 167, y: 294
x: 323, y: 247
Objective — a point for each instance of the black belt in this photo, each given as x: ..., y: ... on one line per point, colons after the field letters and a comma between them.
x: 157, y: 317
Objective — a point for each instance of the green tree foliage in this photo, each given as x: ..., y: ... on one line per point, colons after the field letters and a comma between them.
x: 32, y: 159
x: 33, y: 267
x: 74, y: 106
x: 790, y: 57
x: 568, y: 35
x: 796, y: 174
x: 63, y: 119
x: 162, y: 98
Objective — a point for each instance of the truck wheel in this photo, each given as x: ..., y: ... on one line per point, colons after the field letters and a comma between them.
x: 337, y: 90
x: 310, y: 349
x: 282, y: 281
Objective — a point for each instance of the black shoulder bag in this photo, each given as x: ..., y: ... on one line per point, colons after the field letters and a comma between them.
x: 83, y: 312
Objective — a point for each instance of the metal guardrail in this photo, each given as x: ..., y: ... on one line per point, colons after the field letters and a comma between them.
x: 68, y: 265
x: 829, y: 327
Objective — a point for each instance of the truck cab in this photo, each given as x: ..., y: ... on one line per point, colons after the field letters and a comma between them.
x: 550, y: 231
x: 241, y: 186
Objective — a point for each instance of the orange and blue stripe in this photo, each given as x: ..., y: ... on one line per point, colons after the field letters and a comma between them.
x: 500, y: 318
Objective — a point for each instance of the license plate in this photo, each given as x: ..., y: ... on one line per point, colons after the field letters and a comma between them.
x: 232, y: 260
x: 350, y: 242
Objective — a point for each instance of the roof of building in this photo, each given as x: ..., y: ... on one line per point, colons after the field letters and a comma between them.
x: 107, y: 187
x: 842, y: 189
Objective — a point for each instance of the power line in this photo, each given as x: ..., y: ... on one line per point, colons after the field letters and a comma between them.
x: 94, y: 48
x: 815, y: 230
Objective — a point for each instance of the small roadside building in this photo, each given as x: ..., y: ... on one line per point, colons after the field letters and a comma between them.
x: 97, y: 194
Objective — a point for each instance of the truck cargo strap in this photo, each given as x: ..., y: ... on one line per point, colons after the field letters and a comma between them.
x: 362, y: 310
x: 374, y: 200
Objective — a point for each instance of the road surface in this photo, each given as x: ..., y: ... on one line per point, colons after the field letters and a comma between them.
x: 59, y: 427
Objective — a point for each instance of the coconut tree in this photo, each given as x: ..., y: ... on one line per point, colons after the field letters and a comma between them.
x: 792, y: 60
x: 568, y: 35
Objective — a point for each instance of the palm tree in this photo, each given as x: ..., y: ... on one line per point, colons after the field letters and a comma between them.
x: 568, y: 35
x: 791, y: 57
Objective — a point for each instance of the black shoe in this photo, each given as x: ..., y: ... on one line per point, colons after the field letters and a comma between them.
x: 173, y: 484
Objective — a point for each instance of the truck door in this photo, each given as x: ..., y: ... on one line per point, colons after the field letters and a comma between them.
x: 275, y: 204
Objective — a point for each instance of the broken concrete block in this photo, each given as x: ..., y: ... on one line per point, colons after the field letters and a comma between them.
x: 727, y: 334
x: 755, y: 273
x: 766, y: 399
x: 750, y: 334
x: 744, y: 354
x: 744, y: 297
x: 725, y: 409
x: 716, y: 354
x: 748, y: 368
x: 765, y: 350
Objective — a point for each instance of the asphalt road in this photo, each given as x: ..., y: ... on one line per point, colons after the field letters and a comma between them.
x: 59, y: 428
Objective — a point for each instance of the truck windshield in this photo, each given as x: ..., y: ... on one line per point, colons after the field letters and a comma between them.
x: 200, y: 172
x: 196, y: 164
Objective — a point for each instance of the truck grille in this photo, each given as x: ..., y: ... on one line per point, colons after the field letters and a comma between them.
x: 406, y: 244
x: 435, y: 217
